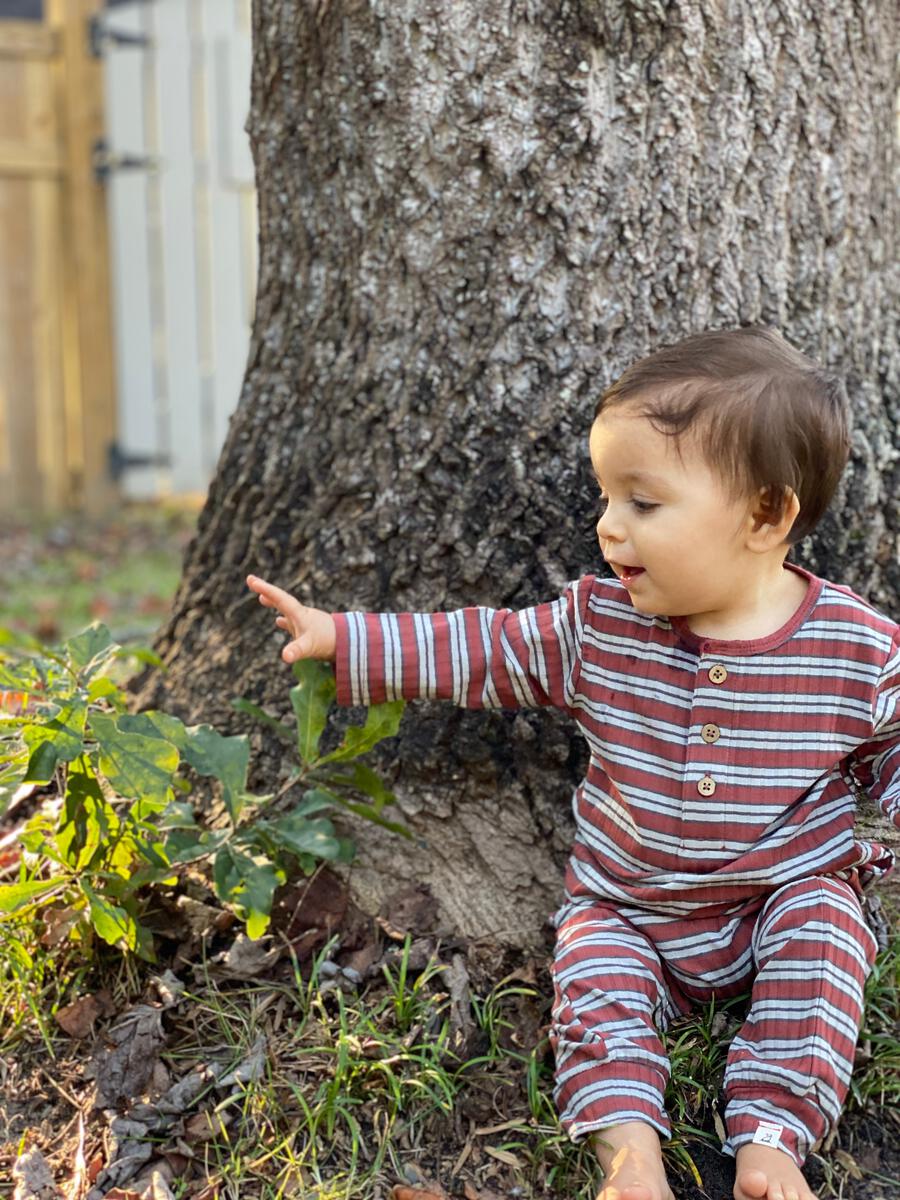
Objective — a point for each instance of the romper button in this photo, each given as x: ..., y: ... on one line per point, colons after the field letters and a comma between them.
x: 710, y: 732
x: 706, y: 786
x: 718, y: 674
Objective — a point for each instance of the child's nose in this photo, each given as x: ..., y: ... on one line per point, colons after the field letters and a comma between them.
x: 608, y: 528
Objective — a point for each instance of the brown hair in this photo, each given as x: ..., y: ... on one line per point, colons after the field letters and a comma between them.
x: 766, y: 416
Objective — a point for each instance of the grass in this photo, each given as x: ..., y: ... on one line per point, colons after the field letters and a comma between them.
x: 341, y: 1092
x: 60, y: 574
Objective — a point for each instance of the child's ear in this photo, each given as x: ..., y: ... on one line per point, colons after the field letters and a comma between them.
x: 772, y: 516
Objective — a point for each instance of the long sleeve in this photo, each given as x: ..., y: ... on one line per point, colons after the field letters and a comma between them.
x: 878, y: 759
x: 476, y: 657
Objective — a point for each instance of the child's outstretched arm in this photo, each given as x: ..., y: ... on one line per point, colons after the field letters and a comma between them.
x: 312, y: 630
x: 475, y: 657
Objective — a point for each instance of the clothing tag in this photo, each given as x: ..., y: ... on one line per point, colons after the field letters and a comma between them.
x: 768, y: 1133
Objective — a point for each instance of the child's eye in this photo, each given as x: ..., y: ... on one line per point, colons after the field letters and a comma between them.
x: 644, y: 506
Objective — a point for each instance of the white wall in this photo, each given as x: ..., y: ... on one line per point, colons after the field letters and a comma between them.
x: 183, y: 234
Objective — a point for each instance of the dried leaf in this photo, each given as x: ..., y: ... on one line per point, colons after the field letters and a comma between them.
x: 721, y: 1132
x: 58, y: 923
x: 245, y: 958
x: 848, y: 1162
x: 123, y: 1067
x: 77, y: 1019
x: 310, y: 912
x: 402, y: 1192
x: 33, y: 1178
x: 249, y: 1068
x: 202, y: 1127
x: 504, y: 1156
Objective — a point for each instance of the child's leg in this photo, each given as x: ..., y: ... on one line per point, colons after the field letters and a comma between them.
x: 611, y: 1070
x: 789, y: 1068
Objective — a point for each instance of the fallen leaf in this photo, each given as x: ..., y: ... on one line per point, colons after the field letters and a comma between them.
x: 249, y: 1068
x: 245, y: 958
x: 310, y: 912
x: 202, y: 1127
x: 77, y: 1019
x: 58, y: 923
x: 504, y: 1156
x: 33, y: 1177
x: 401, y: 1192
x: 848, y: 1162
x: 123, y: 1066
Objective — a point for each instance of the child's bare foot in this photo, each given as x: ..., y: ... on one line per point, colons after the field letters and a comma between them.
x: 631, y: 1158
x: 764, y: 1173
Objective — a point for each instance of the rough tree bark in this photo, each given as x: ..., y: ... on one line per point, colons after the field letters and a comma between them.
x: 473, y: 216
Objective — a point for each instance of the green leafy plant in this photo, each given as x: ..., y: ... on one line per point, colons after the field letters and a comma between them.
x: 118, y: 817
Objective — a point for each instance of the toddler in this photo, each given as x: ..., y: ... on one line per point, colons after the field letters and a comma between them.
x: 733, y: 705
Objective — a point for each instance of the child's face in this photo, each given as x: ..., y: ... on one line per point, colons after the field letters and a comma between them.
x: 671, y: 530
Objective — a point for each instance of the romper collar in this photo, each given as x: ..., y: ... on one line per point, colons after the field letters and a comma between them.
x: 705, y: 645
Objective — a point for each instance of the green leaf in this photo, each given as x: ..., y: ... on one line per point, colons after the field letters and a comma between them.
x: 311, y: 699
x: 87, y: 819
x: 364, y: 779
x: 314, y: 801
x: 104, y: 689
x: 382, y: 721
x: 18, y: 640
x: 374, y: 815
x: 17, y: 677
x: 204, y: 748
x: 134, y: 765
x: 143, y: 654
x: 253, y: 710
x: 155, y: 724
x: 184, y: 845
x: 113, y: 924
x: 227, y: 758
x: 64, y: 732
x: 11, y: 777
x: 42, y: 764
x: 301, y: 836
x: 15, y: 896
x: 346, y: 850
x: 178, y: 815
x: 249, y: 883
x: 90, y: 649
x: 368, y: 782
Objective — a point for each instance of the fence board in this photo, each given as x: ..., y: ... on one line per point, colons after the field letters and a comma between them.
x: 133, y: 218
x: 56, y: 398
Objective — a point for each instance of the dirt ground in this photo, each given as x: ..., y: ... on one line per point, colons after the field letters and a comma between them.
x: 69, y: 1107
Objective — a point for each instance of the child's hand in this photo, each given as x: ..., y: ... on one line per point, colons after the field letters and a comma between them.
x: 311, y: 629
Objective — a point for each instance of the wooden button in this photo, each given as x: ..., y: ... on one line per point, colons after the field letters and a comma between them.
x: 710, y: 732
x: 706, y: 786
x: 718, y: 674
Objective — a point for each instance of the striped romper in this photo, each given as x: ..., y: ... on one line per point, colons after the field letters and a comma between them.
x: 714, y: 849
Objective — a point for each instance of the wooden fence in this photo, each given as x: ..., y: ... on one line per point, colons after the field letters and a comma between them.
x: 57, y: 397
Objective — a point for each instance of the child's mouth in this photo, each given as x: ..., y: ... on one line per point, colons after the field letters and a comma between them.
x: 629, y: 574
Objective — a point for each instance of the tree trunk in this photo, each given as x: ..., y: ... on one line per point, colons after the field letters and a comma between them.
x: 473, y: 216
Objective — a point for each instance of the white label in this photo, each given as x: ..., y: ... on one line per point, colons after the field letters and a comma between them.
x: 767, y: 1133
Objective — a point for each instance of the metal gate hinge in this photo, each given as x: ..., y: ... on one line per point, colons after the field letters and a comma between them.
x: 100, y: 35
x: 119, y: 461
x: 104, y: 161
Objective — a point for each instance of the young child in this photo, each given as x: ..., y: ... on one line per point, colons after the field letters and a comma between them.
x: 733, y: 705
